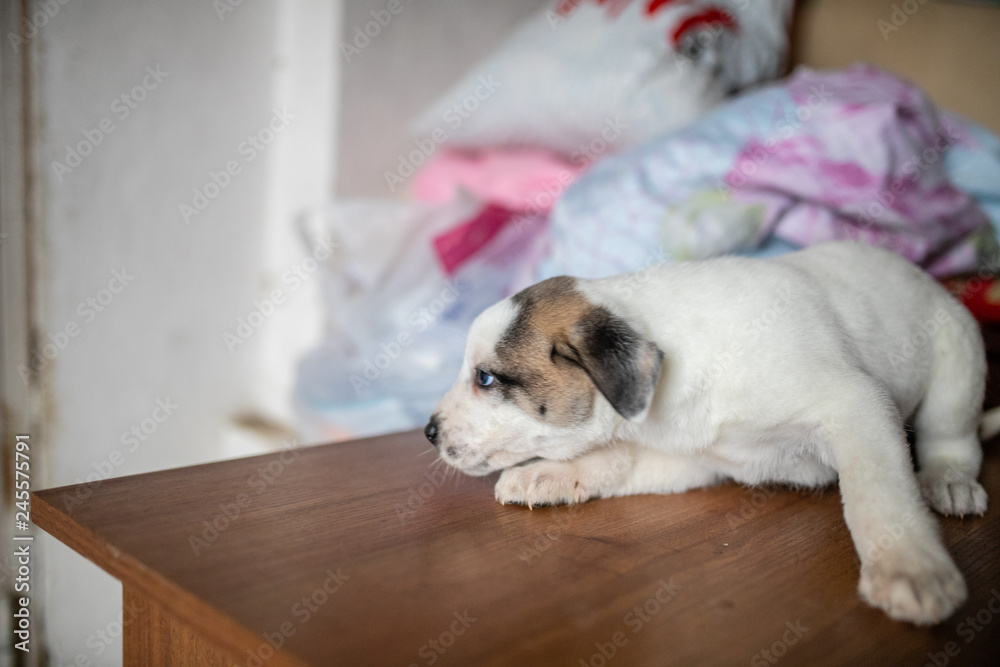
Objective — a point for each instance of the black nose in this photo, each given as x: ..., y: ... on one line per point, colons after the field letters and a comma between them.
x: 431, y: 430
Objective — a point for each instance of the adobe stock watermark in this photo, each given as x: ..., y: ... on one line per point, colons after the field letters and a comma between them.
x: 868, y: 214
x: 752, y: 330
x: 457, y: 114
x: 418, y: 497
x: 967, y: 629
x: 920, y: 338
x: 771, y: 655
x: 693, y: 43
x: 985, y: 272
x: 635, y: 620
x: 434, y: 648
x: 56, y: 342
x: 292, y: 279
x: 419, y: 321
x: 750, y: 507
x: 121, y: 108
x: 556, y: 17
x: 890, y: 535
x: 582, y: 157
x: 784, y: 129
x: 257, y: 483
x: 101, y: 640
x: 588, y: 153
x: 42, y: 11
x: 302, y: 611
x: 898, y: 17
x: 248, y: 150
x: 223, y: 7
x: 104, y: 638
x: 131, y: 440
x: 635, y: 281
x: 362, y: 37
x: 545, y: 538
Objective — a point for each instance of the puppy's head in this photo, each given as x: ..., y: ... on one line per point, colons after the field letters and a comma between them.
x: 545, y: 374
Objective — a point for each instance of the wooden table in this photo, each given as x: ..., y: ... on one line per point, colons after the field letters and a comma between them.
x: 363, y: 553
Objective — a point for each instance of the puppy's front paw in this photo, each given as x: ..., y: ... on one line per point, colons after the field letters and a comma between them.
x: 912, y: 584
x: 952, y: 492
x: 541, y: 483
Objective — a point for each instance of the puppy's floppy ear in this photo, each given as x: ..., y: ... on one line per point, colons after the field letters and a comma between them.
x: 623, y: 365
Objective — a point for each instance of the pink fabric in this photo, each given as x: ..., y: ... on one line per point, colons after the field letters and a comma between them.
x: 457, y: 245
x: 521, y: 180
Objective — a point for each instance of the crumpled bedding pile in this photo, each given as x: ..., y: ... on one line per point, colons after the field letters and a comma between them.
x: 621, y: 134
x: 854, y: 154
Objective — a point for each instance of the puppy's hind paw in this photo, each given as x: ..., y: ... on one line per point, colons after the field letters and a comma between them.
x: 951, y: 492
x: 541, y: 483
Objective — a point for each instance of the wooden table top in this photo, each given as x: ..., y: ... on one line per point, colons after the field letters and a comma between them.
x: 361, y: 553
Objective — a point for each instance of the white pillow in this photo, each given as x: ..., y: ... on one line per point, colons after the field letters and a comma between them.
x: 582, y: 78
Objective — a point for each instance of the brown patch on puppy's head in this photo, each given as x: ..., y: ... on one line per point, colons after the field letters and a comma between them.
x: 561, y: 349
x: 536, y: 371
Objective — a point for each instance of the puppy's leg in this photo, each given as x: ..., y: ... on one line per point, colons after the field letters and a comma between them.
x: 948, y: 448
x: 616, y: 470
x: 657, y: 472
x: 905, y: 568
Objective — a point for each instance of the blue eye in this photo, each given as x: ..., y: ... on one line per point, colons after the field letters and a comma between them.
x: 483, y: 378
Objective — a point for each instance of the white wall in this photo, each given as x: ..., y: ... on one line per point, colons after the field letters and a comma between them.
x: 160, y: 337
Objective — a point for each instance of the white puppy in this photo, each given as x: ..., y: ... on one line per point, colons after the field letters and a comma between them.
x: 800, y: 369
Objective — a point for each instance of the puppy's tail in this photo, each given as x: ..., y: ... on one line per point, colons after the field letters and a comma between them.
x: 989, y: 424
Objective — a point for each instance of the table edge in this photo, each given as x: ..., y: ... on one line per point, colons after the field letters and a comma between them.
x: 227, y: 632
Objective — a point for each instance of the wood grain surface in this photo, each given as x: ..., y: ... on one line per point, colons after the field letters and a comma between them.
x: 359, y: 554
x: 157, y: 638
